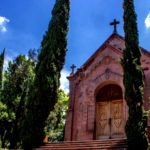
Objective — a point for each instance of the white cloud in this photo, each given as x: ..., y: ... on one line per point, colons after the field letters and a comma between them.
x: 64, y: 83
x: 147, y: 21
x: 3, y: 22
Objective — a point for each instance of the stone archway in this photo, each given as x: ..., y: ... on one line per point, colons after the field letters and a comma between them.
x: 109, y: 112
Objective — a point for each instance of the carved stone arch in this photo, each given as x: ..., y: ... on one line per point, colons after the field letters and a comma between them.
x: 108, y: 76
x: 109, y: 92
x: 104, y: 84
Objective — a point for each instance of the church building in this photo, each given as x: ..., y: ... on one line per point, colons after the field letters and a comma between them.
x: 97, y: 108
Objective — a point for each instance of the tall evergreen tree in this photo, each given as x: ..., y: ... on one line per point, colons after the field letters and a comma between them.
x: 18, y: 78
x: 3, y: 107
x: 50, y: 63
x: 1, y: 66
x: 133, y: 82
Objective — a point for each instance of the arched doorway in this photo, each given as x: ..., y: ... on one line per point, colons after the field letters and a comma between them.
x: 109, y: 112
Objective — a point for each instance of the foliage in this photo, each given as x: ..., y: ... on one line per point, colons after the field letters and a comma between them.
x: 55, y: 123
x: 50, y: 62
x: 133, y: 81
x: 4, y: 116
x: 32, y: 55
x: 17, y: 81
x: 3, y: 108
x: 1, y: 66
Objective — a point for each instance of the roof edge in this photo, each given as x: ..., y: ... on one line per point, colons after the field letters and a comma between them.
x: 91, y: 58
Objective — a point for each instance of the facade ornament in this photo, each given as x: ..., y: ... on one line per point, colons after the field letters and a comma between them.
x: 72, y: 69
x: 114, y: 23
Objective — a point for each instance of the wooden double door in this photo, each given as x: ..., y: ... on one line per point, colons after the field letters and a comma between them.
x: 109, y: 119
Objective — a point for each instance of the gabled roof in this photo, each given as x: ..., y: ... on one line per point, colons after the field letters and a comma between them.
x: 102, y: 47
x: 106, y: 44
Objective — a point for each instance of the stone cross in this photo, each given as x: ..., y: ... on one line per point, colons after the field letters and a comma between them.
x: 114, y: 23
x: 73, y: 68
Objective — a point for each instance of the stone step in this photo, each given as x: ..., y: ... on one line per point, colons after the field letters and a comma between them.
x: 104, y: 142
x: 94, y: 141
x: 122, y: 147
x: 110, y: 144
x: 87, y: 148
x: 82, y: 144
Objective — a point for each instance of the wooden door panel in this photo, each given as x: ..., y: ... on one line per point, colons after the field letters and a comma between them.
x: 117, y: 122
x: 102, y: 120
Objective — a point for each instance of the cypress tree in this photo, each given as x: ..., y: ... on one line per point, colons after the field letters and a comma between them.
x: 133, y: 82
x: 1, y: 67
x: 50, y: 63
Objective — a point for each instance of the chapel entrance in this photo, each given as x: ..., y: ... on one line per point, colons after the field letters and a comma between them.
x: 109, y: 112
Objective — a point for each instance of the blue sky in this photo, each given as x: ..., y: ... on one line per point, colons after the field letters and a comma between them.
x: 24, y: 22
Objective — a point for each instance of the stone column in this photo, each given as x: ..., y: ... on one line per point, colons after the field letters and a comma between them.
x: 69, y: 116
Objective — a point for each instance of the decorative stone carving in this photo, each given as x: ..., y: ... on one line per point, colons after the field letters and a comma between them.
x: 79, y: 92
x: 106, y: 60
x: 81, y: 112
x: 106, y: 75
x: 89, y: 93
x: 90, y: 119
x: 80, y: 107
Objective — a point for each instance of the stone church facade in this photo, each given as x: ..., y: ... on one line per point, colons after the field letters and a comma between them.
x: 97, y: 108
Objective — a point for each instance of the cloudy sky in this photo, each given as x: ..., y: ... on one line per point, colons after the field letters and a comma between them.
x: 24, y: 22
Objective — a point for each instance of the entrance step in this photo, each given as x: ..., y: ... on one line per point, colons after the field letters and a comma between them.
x: 111, y: 144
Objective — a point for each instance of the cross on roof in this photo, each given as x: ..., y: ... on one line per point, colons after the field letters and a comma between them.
x: 114, y: 23
x: 73, y: 68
